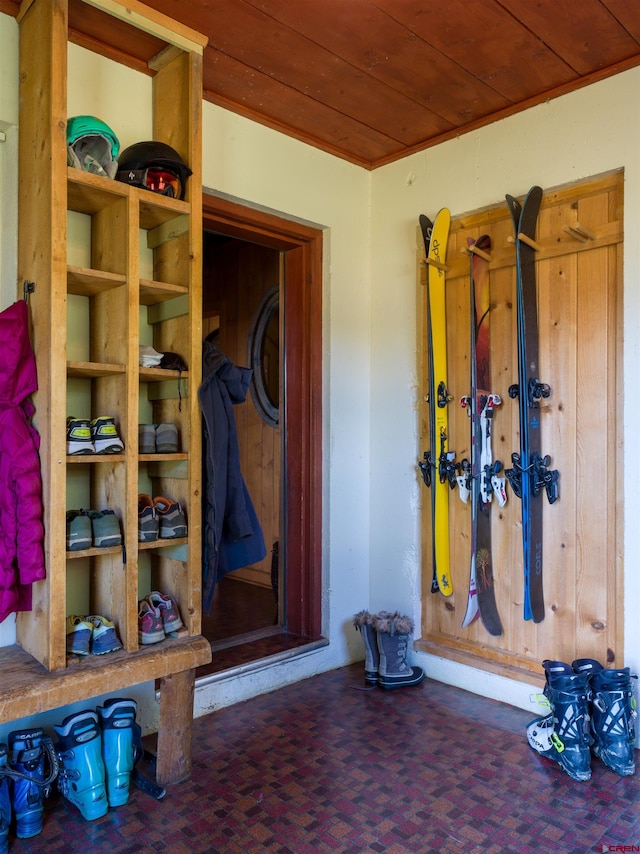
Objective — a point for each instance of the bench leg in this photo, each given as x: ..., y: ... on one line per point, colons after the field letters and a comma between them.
x: 175, y: 726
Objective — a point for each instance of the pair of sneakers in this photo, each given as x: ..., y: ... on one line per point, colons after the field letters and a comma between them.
x: 93, y: 634
x: 158, y: 617
x: 97, y: 436
x: 157, y: 438
x: 97, y: 528
x: 160, y: 518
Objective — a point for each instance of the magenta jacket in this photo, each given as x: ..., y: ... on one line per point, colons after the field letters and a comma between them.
x: 21, y: 528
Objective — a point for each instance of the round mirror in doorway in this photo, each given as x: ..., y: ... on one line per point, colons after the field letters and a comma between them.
x: 264, y: 357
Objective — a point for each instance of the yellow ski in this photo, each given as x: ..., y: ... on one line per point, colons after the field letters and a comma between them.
x: 438, y: 468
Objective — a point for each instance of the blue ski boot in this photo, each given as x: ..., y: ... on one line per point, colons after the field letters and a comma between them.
x: 613, y: 714
x: 82, y: 778
x: 5, y: 801
x: 29, y: 751
x: 121, y: 738
x: 393, y: 634
x: 564, y: 734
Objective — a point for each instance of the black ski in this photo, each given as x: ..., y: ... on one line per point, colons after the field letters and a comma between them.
x: 480, y: 475
x: 530, y: 472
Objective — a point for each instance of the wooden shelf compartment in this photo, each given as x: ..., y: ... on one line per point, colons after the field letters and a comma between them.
x: 88, y: 194
x: 156, y: 210
x: 152, y: 293
x: 161, y: 458
x: 93, y: 370
x: 94, y: 552
x: 83, y: 281
x: 150, y: 375
x: 91, y: 459
x: 163, y: 543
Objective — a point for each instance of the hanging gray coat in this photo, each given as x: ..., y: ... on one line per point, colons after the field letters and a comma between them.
x: 232, y: 535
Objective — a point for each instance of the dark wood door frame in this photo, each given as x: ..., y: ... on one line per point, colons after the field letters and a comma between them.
x: 302, y: 451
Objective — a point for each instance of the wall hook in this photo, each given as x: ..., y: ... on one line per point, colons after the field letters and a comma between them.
x: 474, y: 250
x: 437, y: 264
x: 523, y: 238
x: 28, y: 288
x: 579, y: 232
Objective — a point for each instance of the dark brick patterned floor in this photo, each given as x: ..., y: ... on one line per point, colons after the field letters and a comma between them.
x: 323, y: 767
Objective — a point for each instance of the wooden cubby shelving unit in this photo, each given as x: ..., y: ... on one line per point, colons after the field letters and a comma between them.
x: 579, y: 278
x: 36, y: 673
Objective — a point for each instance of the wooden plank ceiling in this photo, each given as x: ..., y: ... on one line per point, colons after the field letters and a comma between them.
x: 374, y: 80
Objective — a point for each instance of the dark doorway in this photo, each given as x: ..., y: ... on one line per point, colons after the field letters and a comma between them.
x: 262, y: 290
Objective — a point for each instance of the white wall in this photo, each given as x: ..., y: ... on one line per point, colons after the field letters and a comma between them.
x: 260, y: 167
x: 588, y: 132
x: 371, y: 534
x: 8, y: 172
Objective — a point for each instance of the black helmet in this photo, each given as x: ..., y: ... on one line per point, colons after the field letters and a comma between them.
x: 154, y: 166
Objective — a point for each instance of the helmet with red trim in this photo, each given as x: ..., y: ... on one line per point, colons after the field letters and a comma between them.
x: 154, y: 166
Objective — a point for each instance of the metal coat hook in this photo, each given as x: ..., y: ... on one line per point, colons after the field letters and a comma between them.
x: 28, y: 288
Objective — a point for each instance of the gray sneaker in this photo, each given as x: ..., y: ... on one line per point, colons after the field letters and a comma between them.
x: 166, y: 439
x: 78, y: 531
x: 105, y: 527
x: 148, y: 521
x: 146, y: 439
x: 172, y: 520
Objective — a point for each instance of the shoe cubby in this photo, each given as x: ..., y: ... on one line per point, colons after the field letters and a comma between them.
x: 165, y: 397
x: 136, y: 290
x: 114, y: 266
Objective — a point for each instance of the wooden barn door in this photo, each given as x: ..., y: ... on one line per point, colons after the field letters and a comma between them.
x: 579, y: 275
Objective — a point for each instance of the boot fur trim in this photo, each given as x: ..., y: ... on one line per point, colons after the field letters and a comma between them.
x: 362, y: 618
x: 393, y: 624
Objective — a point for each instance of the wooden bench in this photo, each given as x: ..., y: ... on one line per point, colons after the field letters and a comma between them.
x: 27, y: 688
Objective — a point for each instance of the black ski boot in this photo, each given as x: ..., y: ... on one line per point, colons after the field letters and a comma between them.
x: 613, y: 714
x: 564, y: 734
x: 33, y: 767
x: 393, y: 633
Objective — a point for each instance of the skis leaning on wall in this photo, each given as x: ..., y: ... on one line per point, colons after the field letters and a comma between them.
x: 530, y: 473
x: 480, y: 479
x: 438, y: 469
